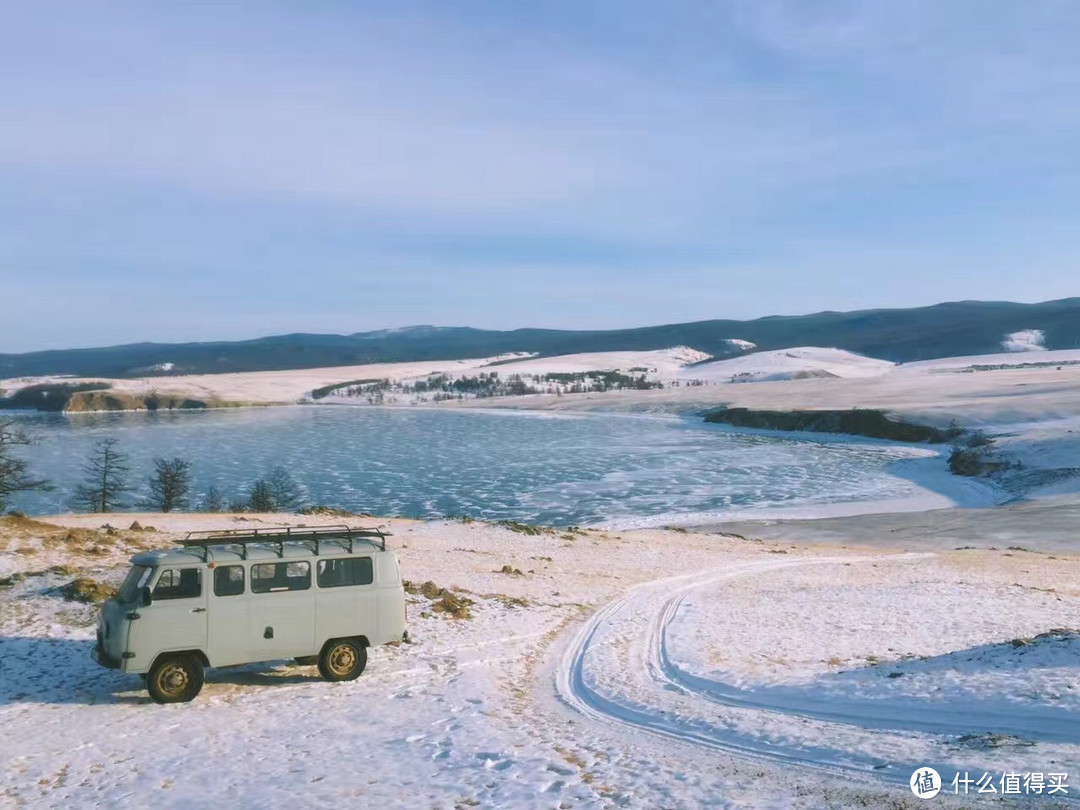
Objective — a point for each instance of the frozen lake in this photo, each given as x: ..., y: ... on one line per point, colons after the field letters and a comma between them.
x: 580, y: 469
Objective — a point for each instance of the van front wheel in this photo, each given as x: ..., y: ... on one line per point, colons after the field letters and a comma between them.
x: 342, y: 660
x: 175, y: 679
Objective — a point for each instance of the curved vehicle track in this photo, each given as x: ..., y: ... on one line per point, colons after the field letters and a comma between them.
x: 652, y: 693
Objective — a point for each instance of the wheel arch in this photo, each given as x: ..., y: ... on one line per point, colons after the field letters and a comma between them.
x: 361, y: 640
x: 198, y: 655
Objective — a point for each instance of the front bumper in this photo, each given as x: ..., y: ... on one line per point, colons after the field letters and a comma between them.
x: 104, y: 659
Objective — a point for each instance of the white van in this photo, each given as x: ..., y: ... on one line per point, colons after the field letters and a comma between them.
x: 226, y: 598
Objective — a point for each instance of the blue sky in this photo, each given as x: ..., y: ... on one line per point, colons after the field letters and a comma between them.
x: 190, y: 171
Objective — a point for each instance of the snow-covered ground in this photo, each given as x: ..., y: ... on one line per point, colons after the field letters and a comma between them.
x: 981, y: 389
x: 639, y: 669
x: 1005, y: 360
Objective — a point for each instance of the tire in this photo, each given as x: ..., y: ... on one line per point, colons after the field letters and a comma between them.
x: 175, y: 678
x: 342, y: 660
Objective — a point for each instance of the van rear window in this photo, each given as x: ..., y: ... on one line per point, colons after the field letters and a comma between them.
x: 351, y: 571
x: 280, y: 576
x: 228, y: 580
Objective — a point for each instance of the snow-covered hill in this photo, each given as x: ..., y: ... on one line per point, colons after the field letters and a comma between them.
x: 788, y: 364
x: 665, y: 363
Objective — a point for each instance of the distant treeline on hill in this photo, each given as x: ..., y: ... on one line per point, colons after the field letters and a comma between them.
x: 899, y: 335
x: 488, y: 384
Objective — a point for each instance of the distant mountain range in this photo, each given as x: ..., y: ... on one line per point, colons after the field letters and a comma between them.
x: 900, y: 335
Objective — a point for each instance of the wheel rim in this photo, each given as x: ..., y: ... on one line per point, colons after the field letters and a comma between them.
x: 342, y: 659
x: 173, y: 679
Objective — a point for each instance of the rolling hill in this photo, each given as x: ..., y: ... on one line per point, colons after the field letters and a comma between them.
x: 897, y: 335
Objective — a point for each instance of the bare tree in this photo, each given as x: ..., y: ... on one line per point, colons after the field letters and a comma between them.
x: 261, y: 497
x: 105, y: 478
x: 14, y: 475
x: 170, y: 483
x: 213, y: 501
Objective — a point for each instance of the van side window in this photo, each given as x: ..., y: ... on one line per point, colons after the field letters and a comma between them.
x: 351, y: 571
x: 228, y: 580
x: 178, y: 583
x: 280, y: 576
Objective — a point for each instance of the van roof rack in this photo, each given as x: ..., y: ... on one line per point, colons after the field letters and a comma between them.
x: 276, y: 538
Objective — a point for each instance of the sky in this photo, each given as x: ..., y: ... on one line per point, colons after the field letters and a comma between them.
x: 200, y: 171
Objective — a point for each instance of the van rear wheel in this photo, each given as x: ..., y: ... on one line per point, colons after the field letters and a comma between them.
x: 175, y: 679
x: 342, y: 660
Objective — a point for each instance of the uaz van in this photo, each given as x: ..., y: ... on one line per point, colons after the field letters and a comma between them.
x: 319, y: 596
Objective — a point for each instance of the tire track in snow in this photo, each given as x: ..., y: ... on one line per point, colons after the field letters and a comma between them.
x: 576, y: 690
x: 1041, y: 723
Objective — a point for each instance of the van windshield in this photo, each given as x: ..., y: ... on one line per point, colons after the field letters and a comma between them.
x: 136, y: 578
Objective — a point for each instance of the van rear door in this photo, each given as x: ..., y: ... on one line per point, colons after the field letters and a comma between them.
x: 348, y: 603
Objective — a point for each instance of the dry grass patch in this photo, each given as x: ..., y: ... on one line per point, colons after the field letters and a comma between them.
x: 86, y: 590
x: 454, y: 605
x: 509, y: 601
x: 443, y: 600
x: 524, y: 528
x: 21, y: 524
x: 19, y: 576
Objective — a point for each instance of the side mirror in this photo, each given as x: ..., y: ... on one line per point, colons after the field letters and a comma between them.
x: 144, y: 596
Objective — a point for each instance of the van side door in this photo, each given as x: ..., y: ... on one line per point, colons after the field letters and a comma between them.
x: 230, y: 616
x: 281, y: 619
x: 175, y: 619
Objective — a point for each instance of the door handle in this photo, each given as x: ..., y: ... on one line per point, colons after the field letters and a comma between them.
x: 198, y: 610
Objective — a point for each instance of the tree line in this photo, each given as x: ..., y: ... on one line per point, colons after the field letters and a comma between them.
x: 106, y: 484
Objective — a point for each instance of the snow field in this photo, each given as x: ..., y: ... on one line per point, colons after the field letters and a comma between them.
x: 621, y: 679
